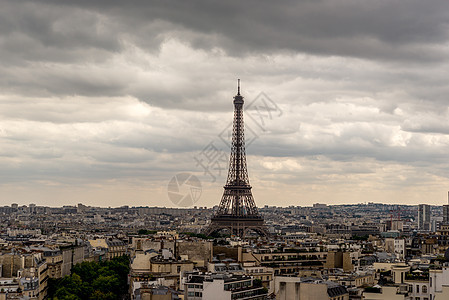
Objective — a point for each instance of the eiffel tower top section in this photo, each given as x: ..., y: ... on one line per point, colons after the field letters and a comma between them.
x: 238, y: 173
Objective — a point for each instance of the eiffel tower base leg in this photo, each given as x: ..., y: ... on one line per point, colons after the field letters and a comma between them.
x: 238, y: 226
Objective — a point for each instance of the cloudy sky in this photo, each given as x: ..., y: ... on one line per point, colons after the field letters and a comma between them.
x: 103, y: 102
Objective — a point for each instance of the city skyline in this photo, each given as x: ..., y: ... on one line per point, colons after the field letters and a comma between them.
x: 104, y: 102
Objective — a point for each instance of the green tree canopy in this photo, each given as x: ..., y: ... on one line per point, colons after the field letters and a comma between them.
x: 106, y: 280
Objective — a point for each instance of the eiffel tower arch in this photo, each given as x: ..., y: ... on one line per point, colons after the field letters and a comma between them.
x: 237, y: 211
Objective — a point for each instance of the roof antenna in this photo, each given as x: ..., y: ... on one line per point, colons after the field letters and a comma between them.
x: 238, y: 90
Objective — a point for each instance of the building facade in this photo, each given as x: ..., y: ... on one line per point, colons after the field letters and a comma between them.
x: 424, y: 217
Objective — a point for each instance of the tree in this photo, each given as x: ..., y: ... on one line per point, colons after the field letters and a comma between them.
x: 107, y: 283
x: 91, y: 280
x: 145, y: 232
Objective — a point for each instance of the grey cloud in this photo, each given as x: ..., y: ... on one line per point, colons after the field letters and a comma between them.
x: 34, y: 31
x: 395, y: 30
x: 430, y: 125
x: 71, y: 48
x: 355, y: 141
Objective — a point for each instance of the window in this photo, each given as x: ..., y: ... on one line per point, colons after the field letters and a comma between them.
x: 424, y: 289
x: 417, y: 290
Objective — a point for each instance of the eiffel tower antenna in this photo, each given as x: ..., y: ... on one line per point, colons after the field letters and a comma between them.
x: 237, y: 211
x: 238, y: 87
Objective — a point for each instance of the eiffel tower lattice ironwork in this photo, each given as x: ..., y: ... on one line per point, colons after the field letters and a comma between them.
x: 237, y: 211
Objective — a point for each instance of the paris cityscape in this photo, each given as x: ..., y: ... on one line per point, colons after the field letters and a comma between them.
x: 224, y: 150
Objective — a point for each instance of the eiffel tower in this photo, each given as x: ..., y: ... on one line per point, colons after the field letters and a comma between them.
x: 237, y: 211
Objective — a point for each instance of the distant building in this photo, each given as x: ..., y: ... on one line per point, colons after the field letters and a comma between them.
x: 264, y: 274
x: 30, y: 269
x: 289, y: 288
x: 396, y: 247
x: 397, y: 225
x: 424, y: 217
x: 113, y: 247
x: 443, y: 237
x: 222, y: 287
x: 365, y: 230
x: 146, y: 291
x: 387, y: 292
x: 439, y: 283
x: 339, y: 259
x: 446, y: 212
x: 418, y: 286
x: 297, y: 261
x: 319, y: 205
x: 54, y: 260
x: 158, y: 265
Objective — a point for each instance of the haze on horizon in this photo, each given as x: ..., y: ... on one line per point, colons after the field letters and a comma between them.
x: 103, y: 102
